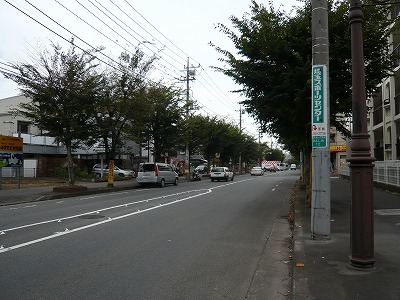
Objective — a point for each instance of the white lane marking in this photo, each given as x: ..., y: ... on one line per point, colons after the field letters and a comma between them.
x: 387, y: 212
x: 226, y: 184
x: 29, y: 206
x: 97, y: 211
x: 209, y: 190
x: 22, y: 207
x: 102, y: 195
x: 58, y: 234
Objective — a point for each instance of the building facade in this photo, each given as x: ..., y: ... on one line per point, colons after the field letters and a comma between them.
x: 384, y: 109
x: 42, y: 154
x: 338, y: 147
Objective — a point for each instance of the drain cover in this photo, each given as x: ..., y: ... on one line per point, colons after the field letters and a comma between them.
x: 93, y: 216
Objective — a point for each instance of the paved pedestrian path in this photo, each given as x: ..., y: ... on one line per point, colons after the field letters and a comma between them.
x: 322, y: 270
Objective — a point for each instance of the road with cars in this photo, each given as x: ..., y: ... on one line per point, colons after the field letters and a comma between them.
x: 197, y: 240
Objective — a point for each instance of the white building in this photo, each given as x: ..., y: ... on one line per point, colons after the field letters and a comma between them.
x: 384, y: 109
x: 41, y: 152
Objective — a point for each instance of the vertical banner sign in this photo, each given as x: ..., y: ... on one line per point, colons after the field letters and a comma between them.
x: 319, y: 130
x: 111, y: 172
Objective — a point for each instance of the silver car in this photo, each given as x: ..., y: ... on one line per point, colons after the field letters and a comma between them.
x: 221, y: 173
x: 157, y: 174
x: 118, y: 171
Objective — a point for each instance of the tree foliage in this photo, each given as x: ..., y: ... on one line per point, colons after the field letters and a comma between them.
x: 273, y: 65
x: 164, y: 110
x: 211, y: 136
x: 121, y: 104
x: 63, y: 87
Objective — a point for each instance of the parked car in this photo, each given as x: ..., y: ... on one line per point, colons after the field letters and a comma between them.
x: 293, y: 167
x: 221, y: 173
x: 118, y: 171
x: 201, y: 169
x: 157, y: 174
x: 256, y: 171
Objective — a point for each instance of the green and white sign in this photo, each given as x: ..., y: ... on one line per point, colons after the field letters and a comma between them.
x: 319, y: 107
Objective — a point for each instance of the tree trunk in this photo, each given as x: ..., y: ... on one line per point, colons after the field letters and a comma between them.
x: 70, y: 165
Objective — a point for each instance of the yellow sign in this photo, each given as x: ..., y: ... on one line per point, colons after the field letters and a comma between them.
x: 338, y: 148
x: 111, y: 173
x: 11, y: 144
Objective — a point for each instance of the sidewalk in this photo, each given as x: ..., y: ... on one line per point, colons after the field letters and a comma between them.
x: 25, y: 195
x: 325, y: 274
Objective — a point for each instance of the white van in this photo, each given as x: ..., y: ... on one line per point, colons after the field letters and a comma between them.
x: 282, y: 166
x: 157, y: 173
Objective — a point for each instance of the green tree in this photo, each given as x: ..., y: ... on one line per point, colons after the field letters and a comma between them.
x: 273, y: 154
x: 250, y: 149
x: 273, y: 65
x: 210, y: 136
x: 224, y: 140
x: 164, y: 111
x: 63, y: 87
x: 121, y: 105
x: 195, y: 129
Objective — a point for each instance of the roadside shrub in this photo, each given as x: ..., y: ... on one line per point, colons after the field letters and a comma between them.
x: 62, y: 172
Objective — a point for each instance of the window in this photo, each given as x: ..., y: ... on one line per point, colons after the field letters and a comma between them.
x: 163, y: 168
x: 23, y: 127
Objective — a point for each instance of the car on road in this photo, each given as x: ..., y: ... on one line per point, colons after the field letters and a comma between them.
x: 269, y: 168
x: 282, y: 167
x: 221, y: 173
x: 201, y: 169
x: 118, y: 171
x: 256, y: 171
x: 157, y: 174
x: 293, y: 167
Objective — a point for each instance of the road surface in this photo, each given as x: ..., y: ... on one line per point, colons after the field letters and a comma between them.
x: 197, y: 240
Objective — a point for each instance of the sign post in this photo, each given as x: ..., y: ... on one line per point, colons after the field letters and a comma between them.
x: 110, y: 174
x: 11, y: 154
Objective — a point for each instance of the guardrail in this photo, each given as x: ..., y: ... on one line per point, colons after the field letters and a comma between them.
x: 386, y: 172
x: 12, y: 172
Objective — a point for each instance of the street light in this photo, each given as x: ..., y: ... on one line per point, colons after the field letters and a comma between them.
x: 361, y: 162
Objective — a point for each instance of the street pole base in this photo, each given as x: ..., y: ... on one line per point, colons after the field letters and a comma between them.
x: 362, y: 265
x: 317, y: 237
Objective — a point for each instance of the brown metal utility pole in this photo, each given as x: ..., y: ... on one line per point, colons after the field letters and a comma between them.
x: 361, y: 166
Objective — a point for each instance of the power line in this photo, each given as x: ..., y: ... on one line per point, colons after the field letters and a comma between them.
x: 85, y: 51
x: 106, y: 36
x: 140, y: 42
x: 182, y: 59
x: 205, y: 81
x: 172, y: 43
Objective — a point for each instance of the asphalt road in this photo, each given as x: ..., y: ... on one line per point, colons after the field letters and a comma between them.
x: 198, y: 240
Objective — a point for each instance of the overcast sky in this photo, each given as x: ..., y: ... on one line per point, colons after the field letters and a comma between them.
x: 174, y: 30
